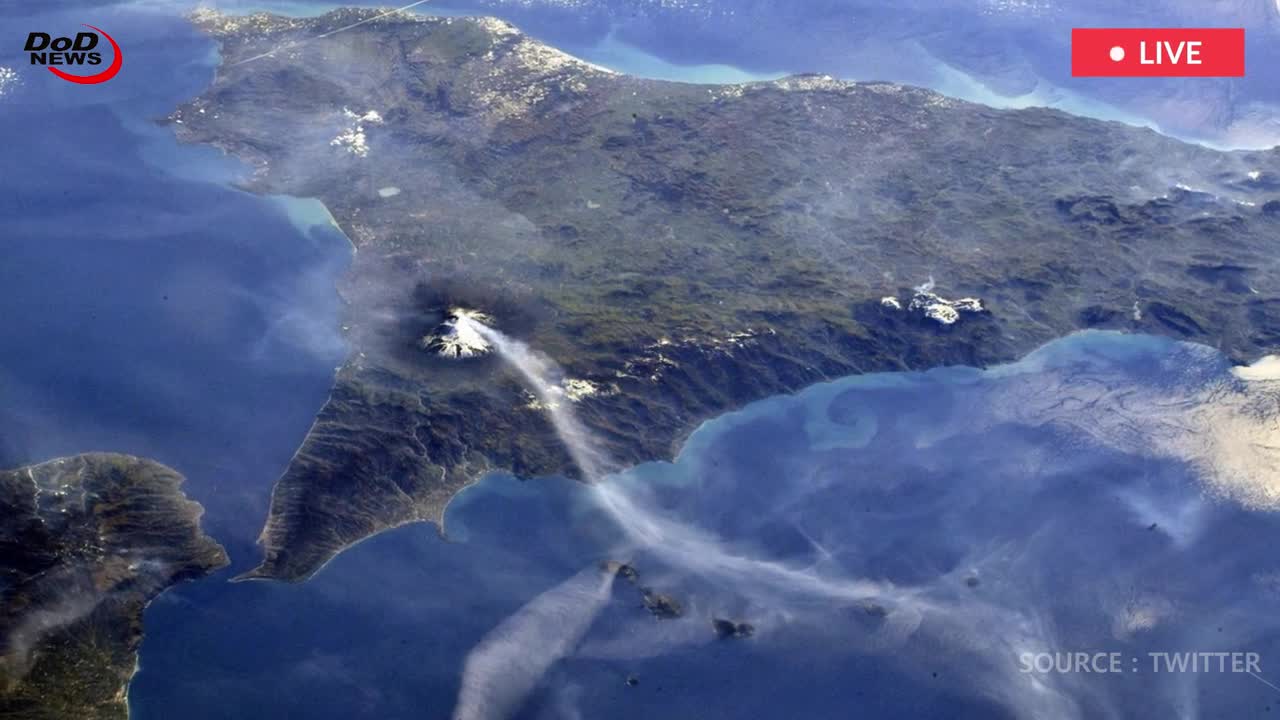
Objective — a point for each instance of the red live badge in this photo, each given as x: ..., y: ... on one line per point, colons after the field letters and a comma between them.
x: 1157, y: 52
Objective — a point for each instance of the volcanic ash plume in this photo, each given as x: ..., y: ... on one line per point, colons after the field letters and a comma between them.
x: 508, y: 663
x: 543, y: 378
x: 679, y: 543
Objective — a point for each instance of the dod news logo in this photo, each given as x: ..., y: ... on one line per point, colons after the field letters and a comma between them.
x: 81, y: 50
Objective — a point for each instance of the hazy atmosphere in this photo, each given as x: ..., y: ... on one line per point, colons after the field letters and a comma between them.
x: 617, y: 358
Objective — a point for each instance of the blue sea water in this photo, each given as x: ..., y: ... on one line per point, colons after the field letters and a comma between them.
x: 898, y: 541
x: 149, y: 307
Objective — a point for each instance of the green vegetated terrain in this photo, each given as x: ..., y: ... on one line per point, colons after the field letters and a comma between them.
x: 683, y: 249
x: 87, y: 542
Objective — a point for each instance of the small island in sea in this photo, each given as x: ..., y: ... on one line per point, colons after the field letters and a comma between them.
x: 88, y: 541
x: 681, y: 250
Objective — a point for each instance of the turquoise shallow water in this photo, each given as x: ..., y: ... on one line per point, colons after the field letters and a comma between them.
x: 898, y: 541
x: 149, y: 307
x: 901, y: 539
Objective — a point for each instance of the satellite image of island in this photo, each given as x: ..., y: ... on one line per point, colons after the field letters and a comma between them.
x: 536, y: 359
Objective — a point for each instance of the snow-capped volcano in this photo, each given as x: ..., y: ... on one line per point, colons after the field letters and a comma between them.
x: 457, y: 336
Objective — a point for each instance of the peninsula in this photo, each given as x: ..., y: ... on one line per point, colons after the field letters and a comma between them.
x: 684, y: 249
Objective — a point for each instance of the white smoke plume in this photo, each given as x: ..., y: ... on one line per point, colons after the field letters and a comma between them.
x: 676, y: 542
x: 508, y: 663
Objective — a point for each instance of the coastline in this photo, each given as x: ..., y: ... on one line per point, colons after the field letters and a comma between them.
x: 980, y: 343
x: 863, y: 514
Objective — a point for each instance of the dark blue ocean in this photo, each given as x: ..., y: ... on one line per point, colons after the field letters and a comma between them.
x: 903, y: 545
x: 149, y: 307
